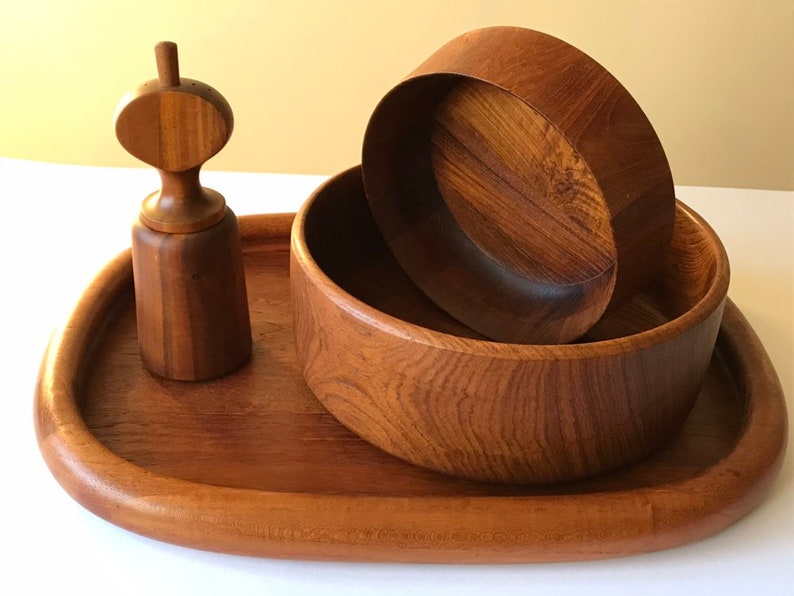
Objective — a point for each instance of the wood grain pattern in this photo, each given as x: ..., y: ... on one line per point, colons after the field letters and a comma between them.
x: 173, y: 123
x: 519, y: 185
x: 193, y: 321
x: 517, y: 188
x: 189, y: 279
x: 252, y: 464
x: 495, y: 411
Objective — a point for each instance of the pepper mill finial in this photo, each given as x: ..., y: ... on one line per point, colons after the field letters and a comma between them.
x: 192, y: 309
x: 167, y: 58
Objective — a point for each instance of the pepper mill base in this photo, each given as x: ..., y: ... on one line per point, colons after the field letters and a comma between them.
x: 191, y: 302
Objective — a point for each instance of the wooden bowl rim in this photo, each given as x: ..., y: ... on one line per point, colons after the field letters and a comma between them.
x: 386, y: 323
x: 464, y: 76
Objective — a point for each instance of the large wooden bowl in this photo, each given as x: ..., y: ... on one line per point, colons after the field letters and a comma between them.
x: 407, y: 377
x: 519, y: 185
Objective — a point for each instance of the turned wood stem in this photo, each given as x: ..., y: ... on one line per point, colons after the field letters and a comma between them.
x: 180, y: 187
x: 167, y: 63
x: 182, y: 206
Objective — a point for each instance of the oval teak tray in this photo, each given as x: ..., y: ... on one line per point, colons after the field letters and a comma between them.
x: 252, y: 464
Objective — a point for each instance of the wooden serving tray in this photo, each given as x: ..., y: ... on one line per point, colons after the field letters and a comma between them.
x: 252, y: 464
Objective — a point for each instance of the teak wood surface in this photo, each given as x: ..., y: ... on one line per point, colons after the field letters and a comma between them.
x: 193, y: 319
x: 518, y: 189
x: 519, y: 185
x: 372, y: 351
x: 252, y: 464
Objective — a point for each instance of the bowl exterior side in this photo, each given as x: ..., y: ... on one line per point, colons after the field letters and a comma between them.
x: 512, y: 419
x: 494, y: 411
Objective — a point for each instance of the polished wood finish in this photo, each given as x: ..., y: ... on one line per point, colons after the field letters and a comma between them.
x: 495, y: 411
x: 531, y: 203
x: 175, y: 125
x: 519, y: 185
x: 193, y: 321
x: 253, y: 464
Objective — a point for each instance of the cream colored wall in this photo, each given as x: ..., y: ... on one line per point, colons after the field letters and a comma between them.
x: 716, y: 77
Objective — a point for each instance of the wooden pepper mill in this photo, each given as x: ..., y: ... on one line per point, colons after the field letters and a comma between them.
x: 192, y: 309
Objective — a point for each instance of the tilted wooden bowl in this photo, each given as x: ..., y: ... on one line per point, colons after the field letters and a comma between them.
x: 405, y: 376
x: 519, y: 185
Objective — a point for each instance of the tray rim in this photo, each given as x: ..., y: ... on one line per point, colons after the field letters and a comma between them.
x: 319, y: 526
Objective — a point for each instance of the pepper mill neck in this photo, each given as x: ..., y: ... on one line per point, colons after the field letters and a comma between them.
x: 182, y: 205
x: 175, y: 125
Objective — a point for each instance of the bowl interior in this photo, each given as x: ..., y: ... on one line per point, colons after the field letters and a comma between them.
x: 489, y: 209
x: 346, y: 244
x: 517, y: 187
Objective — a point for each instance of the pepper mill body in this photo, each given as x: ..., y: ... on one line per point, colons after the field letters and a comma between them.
x: 191, y: 302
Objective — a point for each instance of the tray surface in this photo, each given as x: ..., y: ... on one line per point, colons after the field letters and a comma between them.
x: 252, y: 463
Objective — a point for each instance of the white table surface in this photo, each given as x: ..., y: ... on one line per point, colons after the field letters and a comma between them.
x: 62, y: 223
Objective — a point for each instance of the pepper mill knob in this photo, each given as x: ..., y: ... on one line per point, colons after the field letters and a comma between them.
x: 175, y: 125
x: 191, y: 303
